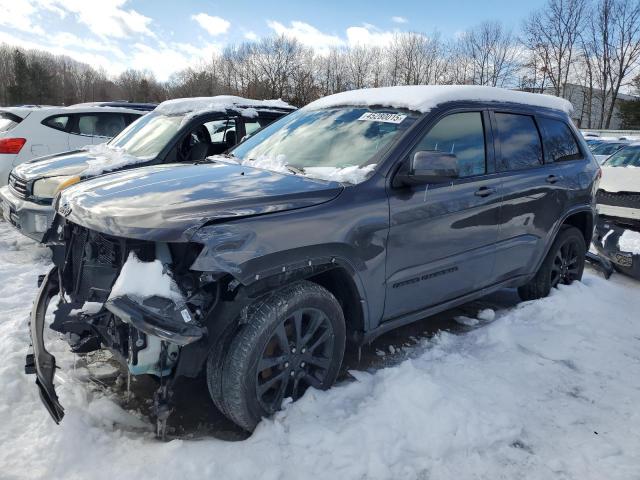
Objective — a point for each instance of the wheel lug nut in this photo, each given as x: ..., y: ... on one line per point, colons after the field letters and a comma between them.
x: 293, y: 350
x: 303, y: 350
x: 293, y: 373
x: 286, y: 364
x: 302, y: 364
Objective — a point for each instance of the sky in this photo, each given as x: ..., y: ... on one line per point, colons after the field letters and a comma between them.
x: 165, y: 37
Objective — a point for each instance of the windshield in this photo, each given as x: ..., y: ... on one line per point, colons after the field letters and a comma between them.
x: 607, y: 148
x: 148, y: 135
x: 323, y: 143
x: 627, y: 157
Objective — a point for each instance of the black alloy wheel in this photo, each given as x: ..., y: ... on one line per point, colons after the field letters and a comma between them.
x: 567, y: 263
x: 296, y: 357
x: 293, y: 340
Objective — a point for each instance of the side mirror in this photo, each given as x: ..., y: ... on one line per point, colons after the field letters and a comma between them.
x: 430, y: 167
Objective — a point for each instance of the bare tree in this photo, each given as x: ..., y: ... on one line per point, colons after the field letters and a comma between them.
x: 490, y: 53
x: 552, y: 34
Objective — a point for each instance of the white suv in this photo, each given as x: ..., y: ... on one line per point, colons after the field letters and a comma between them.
x: 30, y: 132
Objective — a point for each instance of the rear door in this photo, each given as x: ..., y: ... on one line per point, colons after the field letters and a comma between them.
x: 442, y: 236
x: 95, y: 127
x: 47, y: 137
x: 530, y: 206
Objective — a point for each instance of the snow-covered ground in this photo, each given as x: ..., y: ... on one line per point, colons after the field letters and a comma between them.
x: 547, y: 390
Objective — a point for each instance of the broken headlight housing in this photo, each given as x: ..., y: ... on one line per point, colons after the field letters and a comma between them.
x: 46, y: 188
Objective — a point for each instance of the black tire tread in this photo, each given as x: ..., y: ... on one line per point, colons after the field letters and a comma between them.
x: 214, y: 368
x: 239, y: 356
x: 540, y: 285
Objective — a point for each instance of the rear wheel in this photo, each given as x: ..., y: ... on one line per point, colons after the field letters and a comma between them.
x: 294, y: 340
x: 563, y: 264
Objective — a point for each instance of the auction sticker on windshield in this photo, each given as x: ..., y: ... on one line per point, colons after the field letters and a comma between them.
x: 383, y: 117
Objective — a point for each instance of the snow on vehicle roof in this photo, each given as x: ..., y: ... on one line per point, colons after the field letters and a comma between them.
x: 423, y: 98
x: 219, y: 103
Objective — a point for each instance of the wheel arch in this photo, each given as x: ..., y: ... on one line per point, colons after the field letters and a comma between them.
x: 583, y: 220
x: 335, y: 275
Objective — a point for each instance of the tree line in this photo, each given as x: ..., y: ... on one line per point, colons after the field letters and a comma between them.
x: 590, y: 44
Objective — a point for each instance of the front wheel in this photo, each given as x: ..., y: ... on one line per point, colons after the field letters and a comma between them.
x: 295, y: 339
x: 563, y: 264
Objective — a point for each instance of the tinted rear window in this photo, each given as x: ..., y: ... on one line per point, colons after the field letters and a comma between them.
x: 560, y: 142
x: 8, y: 121
x: 519, y: 141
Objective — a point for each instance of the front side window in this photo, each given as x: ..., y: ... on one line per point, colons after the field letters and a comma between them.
x: 519, y: 141
x: 323, y: 143
x: 560, y: 142
x: 626, y: 157
x: 460, y: 134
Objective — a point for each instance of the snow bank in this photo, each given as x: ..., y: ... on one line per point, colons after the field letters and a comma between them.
x: 141, y: 280
x: 629, y: 241
x: 423, y: 98
x: 106, y: 158
x: 548, y: 390
x: 219, y: 103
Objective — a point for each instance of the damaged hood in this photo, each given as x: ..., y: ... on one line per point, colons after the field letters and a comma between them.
x: 620, y: 179
x: 170, y: 202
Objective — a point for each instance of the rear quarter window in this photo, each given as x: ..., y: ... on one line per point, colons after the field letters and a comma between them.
x: 561, y: 145
x: 520, y: 143
x: 59, y: 122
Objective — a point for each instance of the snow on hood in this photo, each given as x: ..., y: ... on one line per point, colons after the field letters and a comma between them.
x: 106, y: 158
x: 620, y: 179
x: 142, y: 280
x: 422, y: 98
x: 219, y: 103
x: 350, y: 174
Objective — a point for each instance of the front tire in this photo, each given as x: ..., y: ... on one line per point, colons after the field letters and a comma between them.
x: 295, y: 339
x: 564, y: 264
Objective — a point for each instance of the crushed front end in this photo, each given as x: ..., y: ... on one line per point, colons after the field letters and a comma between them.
x: 145, y: 333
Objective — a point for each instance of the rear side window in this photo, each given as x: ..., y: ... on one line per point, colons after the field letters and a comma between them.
x: 461, y: 134
x: 100, y: 124
x: 8, y: 121
x: 58, y: 122
x: 561, y: 145
x: 519, y: 141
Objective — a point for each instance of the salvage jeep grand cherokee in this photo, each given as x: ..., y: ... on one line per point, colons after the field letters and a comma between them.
x: 359, y: 213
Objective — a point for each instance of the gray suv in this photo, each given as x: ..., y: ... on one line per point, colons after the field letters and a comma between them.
x: 352, y: 216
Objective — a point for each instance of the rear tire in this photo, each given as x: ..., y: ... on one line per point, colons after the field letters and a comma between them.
x: 294, y: 339
x: 563, y: 264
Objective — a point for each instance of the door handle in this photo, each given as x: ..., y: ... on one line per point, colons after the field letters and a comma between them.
x: 484, y: 192
x: 552, y: 179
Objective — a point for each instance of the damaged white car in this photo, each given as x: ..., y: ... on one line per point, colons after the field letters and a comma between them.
x: 617, y: 234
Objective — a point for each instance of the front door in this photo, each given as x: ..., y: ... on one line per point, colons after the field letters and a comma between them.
x: 441, y: 238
